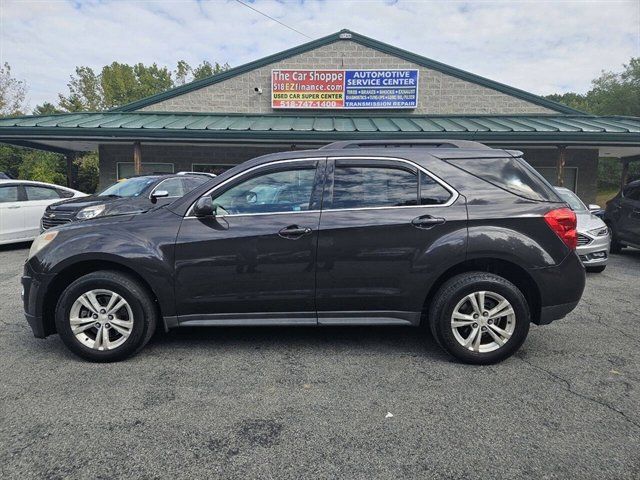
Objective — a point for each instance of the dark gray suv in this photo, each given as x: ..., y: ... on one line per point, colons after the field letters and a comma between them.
x: 465, y: 239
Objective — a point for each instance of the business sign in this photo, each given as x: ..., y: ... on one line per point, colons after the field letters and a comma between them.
x: 342, y: 89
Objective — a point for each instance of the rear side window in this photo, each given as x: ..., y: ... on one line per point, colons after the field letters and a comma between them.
x: 511, y: 174
x: 369, y: 186
x: 41, y: 193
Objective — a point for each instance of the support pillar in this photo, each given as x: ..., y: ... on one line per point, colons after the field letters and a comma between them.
x: 562, y: 156
x: 71, y: 169
x: 137, y: 158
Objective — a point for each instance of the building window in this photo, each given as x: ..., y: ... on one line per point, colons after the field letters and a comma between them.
x: 216, y: 168
x: 127, y: 170
x: 551, y: 175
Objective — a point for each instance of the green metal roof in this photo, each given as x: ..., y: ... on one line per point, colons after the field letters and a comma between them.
x: 362, y: 40
x: 319, y: 128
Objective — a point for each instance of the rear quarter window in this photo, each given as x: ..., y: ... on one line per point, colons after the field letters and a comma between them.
x: 512, y: 174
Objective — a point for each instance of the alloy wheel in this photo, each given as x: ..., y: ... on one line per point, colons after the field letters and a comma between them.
x: 101, y: 319
x: 483, y: 321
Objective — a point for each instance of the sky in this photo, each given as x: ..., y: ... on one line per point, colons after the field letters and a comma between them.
x: 539, y: 46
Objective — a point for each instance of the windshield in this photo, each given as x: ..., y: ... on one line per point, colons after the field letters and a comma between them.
x: 572, y: 199
x: 132, y: 187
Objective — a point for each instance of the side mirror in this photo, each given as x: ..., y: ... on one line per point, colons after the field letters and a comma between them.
x: 203, y: 207
x: 593, y: 207
x: 160, y: 194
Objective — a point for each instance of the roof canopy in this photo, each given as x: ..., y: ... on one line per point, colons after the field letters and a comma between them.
x: 85, y: 131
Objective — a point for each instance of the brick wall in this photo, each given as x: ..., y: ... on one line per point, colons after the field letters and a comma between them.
x: 438, y: 93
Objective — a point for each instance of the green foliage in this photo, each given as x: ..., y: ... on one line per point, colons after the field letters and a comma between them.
x: 88, y: 172
x: 43, y: 167
x: 119, y: 83
x: 610, y: 171
x: 611, y: 93
x: 46, y: 108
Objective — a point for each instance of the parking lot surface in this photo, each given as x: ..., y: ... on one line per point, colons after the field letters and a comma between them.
x: 315, y: 403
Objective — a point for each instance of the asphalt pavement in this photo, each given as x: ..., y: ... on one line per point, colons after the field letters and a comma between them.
x: 353, y: 403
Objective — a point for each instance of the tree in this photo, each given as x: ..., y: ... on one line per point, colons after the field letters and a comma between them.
x: 46, y: 108
x: 13, y: 93
x: 611, y: 93
x: 120, y: 83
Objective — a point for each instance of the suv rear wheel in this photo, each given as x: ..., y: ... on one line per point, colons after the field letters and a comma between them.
x: 479, y: 317
x: 105, y: 316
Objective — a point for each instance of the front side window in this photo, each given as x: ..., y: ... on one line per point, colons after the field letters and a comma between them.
x: 173, y: 186
x: 40, y: 193
x: 372, y: 186
x: 9, y: 194
x: 280, y: 191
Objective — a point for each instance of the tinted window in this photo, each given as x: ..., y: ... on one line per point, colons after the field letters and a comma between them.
x: 40, y: 193
x: 283, y: 191
x: 431, y: 192
x: 65, y: 193
x: 192, y: 182
x: 8, y: 194
x: 632, y: 193
x: 512, y: 174
x: 572, y: 199
x: 361, y: 187
x: 172, y: 185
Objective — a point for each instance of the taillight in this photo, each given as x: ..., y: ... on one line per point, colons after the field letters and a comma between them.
x: 563, y: 222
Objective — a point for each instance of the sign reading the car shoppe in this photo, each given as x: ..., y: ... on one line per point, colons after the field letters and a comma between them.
x: 336, y: 89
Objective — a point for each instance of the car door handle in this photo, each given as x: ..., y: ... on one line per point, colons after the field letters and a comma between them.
x: 13, y: 206
x: 427, y: 221
x: 293, y: 232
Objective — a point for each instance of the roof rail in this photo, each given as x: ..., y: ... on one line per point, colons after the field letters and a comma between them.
x: 404, y: 144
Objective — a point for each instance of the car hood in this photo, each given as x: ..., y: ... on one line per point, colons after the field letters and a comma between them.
x: 114, y: 205
x: 588, y: 221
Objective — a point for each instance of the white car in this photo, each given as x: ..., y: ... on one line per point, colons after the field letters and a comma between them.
x: 22, y: 203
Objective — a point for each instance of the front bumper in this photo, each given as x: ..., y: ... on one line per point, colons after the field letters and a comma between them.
x: 34, y: 288
x: 596, y: 252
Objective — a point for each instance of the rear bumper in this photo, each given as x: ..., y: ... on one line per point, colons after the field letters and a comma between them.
x: 561, y: 288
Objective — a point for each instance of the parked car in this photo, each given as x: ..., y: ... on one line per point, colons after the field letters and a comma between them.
x: 623, y: 217
x: 22, y: 203
x: 466, y: 239
x: 594, y: 237
x: 135, y: 194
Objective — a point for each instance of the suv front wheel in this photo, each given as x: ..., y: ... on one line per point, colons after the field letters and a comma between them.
x: 479, y: 317
x: 105, y: 316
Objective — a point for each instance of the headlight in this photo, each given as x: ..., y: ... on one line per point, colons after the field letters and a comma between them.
x: 599, y: 232
x: 42, y: 241
x: 90, y: 212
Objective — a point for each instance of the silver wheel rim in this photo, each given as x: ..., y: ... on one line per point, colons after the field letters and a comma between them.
x: 483, y: 321
x: 101, y: 319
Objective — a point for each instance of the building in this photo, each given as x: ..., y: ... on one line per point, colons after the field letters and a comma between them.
x: 343, y: 86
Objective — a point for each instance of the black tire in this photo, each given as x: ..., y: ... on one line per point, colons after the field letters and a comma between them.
x: 615, y: 247
x: 142, y: 307
x: 453, y: 291
x: 596, y: 269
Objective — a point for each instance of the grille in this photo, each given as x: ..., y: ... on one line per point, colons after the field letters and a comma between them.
x: 59, y: 218
x: 583, y: 240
